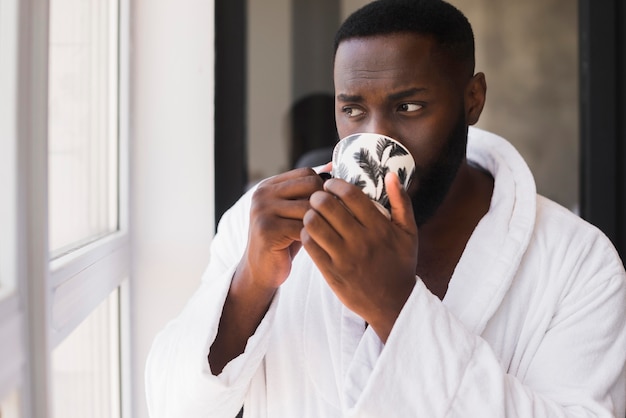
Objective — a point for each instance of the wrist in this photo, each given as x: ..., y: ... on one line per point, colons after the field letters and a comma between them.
x: 387, y: 315
x: 245, y: 285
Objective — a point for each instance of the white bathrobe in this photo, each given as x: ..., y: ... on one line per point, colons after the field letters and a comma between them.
x: 533, y: 325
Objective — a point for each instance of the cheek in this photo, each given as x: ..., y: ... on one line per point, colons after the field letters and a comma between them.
x: 428, y: 142
x: 425, y: 152
x: 343, y: 129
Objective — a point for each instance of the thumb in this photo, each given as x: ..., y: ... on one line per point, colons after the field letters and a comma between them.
x: 401, y: 206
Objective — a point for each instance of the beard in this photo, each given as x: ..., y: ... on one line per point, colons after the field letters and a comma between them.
x: 435, y: 181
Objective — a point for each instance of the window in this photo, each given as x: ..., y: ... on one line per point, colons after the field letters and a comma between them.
x: 85, y: 366
x: 10, y: 407
x: 88, y: 239
x: 64, y: 258
x: 11, y: 315
x: 8, y: 77
x: 83, y: 121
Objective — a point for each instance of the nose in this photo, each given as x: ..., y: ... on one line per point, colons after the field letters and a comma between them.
x: 380, y: 123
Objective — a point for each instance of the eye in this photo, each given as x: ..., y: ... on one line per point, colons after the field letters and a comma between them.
x: 409, y: 107
x: 352, y: 112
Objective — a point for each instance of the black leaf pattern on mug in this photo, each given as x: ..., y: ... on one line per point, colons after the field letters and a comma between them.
x: 368, y: 164
x: 402, y: 175
x: 342, y: 171
x: 381, y: 146
x: 358, y: 181
x: 397, y: 151
x: 374, y: 166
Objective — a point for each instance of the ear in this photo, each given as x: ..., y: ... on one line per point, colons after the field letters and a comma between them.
x: 475, y: 95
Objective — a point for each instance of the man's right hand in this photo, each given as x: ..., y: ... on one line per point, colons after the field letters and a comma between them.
x: 278, y: 206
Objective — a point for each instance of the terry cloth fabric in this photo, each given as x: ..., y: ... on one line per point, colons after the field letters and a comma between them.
x: 533, y: 325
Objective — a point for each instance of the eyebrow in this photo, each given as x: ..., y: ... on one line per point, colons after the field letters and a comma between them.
x: 349, y: 98
x: 393, y: 96
x: 406, y: 93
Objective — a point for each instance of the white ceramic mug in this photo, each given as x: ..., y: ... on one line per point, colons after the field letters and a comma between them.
x: 364, y: 159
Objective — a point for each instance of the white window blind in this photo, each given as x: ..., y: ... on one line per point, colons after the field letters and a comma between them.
x: 12, y: 352
x: 83, y: 122
x: 8, y: 135
x: 10, y: 406
x: 88, y: 236
x: 85, y: 366
x: 64, y: 194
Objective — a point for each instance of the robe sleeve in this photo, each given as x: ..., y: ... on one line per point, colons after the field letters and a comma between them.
x: 179, y: 382
x: 433, y: 366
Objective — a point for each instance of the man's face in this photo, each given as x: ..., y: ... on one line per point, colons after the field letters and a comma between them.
x: 401, y: 86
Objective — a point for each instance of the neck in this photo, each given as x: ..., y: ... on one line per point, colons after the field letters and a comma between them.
x: 443, y: 238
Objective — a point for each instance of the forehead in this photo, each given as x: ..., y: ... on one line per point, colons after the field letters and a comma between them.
x: 401, y: 57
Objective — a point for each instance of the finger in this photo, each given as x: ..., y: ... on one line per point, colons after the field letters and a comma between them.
x: 335, y: 213
x: 319, y: 256
x: 288, y: 186
x: 278, y: 233
x: 279, y: 208
x: 357, y: 202
x: 291, y: 174
x: 289, y: 209
x: 401, y: 207
x: 322, y: 231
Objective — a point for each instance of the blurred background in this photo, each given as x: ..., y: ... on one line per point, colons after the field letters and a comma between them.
x: 528, y: 51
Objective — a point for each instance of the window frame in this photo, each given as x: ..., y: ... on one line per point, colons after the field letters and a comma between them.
x: 11, y: 314
x: 47, y: 299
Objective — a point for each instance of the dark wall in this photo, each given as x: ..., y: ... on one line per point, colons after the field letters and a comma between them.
x: 603, y: 116
x: 230, y: 97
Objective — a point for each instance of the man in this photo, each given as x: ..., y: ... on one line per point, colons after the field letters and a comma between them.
x: 478, y: 298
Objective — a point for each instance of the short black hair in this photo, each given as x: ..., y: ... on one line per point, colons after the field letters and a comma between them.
x: 445, y: 23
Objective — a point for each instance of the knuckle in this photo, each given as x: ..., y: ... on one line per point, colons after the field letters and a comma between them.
x: 307, y: 219
x: 305, y: 238
x: 321, y: 200
x: 308, y: 171
x: 258, y: 208
x: 311, y: 219
x: 313, y: 181
x: 261, y: 193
